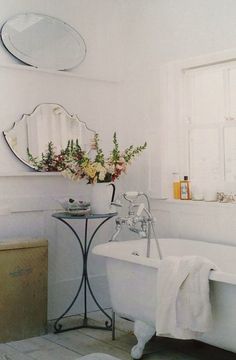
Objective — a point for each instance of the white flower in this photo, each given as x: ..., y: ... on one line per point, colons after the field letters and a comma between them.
x: 101, y: 175
x: 67, y: 173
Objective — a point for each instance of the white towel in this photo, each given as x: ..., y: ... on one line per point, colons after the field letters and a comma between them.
x: 183, y: 305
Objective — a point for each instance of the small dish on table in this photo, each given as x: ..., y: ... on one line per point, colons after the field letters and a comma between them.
x: 75, y: 207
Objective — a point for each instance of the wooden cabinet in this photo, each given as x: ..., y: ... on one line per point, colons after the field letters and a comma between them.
x: 23, y: 288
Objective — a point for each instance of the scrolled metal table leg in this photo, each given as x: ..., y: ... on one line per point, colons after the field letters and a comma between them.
x: 57, y: 326
x: 113, y: 325
x: 110, y: 323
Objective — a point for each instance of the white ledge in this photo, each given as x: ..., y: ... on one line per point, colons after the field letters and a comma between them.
x: 192, y: 202
x: 56, y: 72
x: 29, y: 173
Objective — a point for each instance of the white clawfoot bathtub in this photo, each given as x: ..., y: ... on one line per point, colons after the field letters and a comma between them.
x: 132, y: 281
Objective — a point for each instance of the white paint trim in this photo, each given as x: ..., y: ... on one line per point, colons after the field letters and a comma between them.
x: 156, y: 202
x: 206, y: 60
x: 55, y: 72
x: 29, y: 173
x: 22, y: 204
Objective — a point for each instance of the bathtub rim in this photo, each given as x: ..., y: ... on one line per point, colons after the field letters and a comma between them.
x: 107, y: 250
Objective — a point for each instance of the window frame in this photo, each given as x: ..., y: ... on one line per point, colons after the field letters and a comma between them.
x: 174, y: 133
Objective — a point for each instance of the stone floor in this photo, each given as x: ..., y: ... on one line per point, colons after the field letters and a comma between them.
x: 73, y: 344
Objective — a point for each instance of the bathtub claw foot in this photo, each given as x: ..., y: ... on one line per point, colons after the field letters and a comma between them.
x: 143, y: 333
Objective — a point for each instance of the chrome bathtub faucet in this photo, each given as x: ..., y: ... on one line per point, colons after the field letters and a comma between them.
x: 139, y: 225
x: 135, y: 222
x: 143, y: 225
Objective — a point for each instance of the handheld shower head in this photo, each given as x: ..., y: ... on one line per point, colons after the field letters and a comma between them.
x: 132, y: 194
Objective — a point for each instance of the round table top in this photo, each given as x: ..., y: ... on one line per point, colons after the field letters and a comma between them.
x: 66, y: 215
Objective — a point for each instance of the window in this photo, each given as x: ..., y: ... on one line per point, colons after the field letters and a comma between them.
x: 210, y: 123
x: 195, y: 126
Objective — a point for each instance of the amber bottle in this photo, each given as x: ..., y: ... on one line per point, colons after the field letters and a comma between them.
x: 185, y: 192
x: 176, y: 186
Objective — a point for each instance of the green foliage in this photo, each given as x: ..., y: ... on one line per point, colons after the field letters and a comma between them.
x: 34, y: 160
x: 132, y: 151
x: 48, y: 159
x: 115, y: 154
x: 51, y: 161
x: 100, y: 158
x: 72, y: 148
x: 76, y: 164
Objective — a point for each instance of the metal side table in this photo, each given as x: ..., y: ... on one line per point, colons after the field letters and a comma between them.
x: 85, y: 247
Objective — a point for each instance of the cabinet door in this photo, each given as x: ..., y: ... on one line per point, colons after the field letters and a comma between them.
x: 207, y: 96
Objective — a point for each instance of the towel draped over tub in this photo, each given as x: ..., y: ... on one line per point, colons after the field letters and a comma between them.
x: 183, y: 307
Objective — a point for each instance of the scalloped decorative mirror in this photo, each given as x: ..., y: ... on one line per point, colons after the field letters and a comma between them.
x: 47, y: 123
x: 43, y: 41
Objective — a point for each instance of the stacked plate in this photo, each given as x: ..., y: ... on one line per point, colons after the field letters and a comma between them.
x: 75, y: 207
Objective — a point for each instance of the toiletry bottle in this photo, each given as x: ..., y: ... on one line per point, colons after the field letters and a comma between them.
x: 176, y: 186
x: 185, y: 193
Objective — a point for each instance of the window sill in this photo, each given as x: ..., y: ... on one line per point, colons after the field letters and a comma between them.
x: 200, y: 203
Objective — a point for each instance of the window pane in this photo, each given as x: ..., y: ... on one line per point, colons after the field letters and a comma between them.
x: 230, y: 153
x: 208, y: 102
x: 204, y: 155
x: 232, y: 93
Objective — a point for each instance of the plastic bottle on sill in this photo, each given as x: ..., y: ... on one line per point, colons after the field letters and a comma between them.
x: 176, y: 186
x: 185, y: 192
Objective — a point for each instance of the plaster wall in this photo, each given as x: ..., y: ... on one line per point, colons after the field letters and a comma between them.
x: 116, y: 88
x: 99, y: 94
x: 163, y: 34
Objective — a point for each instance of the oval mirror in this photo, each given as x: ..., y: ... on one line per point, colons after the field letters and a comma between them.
x: 43, y: 41
x: 48, y: 123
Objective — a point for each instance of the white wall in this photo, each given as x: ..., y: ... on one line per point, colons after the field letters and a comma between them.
x: 117, y: 88
x: 161, y: 33
x: 102, y: 98
x: 168, y: 30
x: 165, y: 31
x: 211, y: 222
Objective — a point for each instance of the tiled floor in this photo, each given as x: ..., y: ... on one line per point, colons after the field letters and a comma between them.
x: 73, y: 344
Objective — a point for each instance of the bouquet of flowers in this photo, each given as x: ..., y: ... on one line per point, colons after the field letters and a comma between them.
x: 76, y: 164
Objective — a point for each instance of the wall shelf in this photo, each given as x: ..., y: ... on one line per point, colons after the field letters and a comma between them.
x: 54, y: 72
x: 29, y: 173
x: 171, y: 202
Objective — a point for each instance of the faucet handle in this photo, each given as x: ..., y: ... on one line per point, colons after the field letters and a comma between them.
x: 140, y: 209
x: 120, y: 220
x: 116, y: 204
x: 131, y: 194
